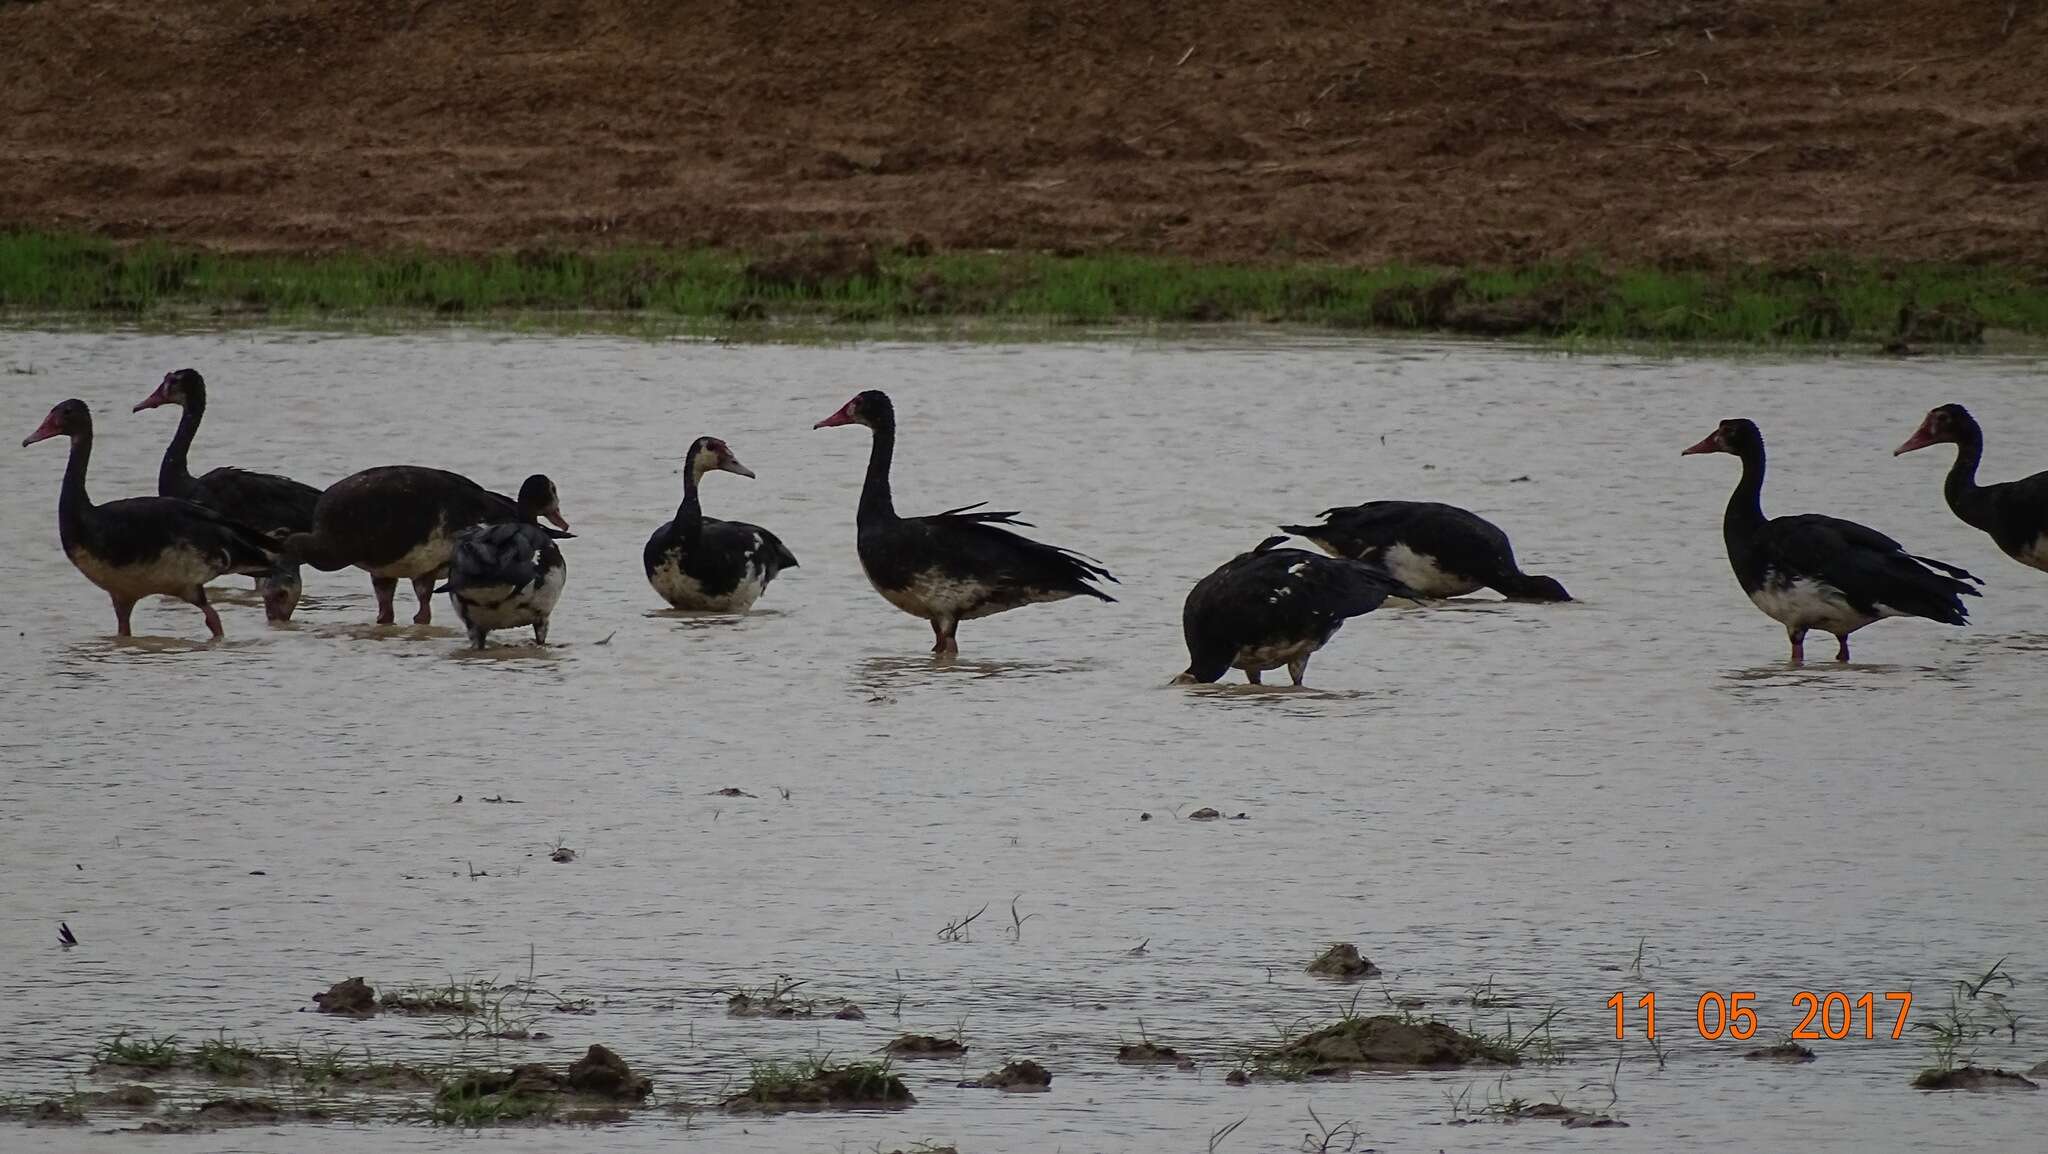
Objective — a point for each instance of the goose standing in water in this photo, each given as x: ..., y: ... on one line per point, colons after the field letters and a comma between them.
x: 1809, y: 571
x: 504, y: 576
x: 1441, y: 550
x: 1273, y: 607
x: 2014, y: 513
x: 142, y: 545
x: 699, y: 562
x: 402, y: 520
x: 957, y: 565
x: 263, y: 501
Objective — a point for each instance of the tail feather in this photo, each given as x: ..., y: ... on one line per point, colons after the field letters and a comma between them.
x: 1954, y: 571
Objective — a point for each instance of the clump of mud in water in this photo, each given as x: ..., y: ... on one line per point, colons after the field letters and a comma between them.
x: 850, y: 1013
x: 1025, y: 1077
x: 129, y: 1097
x: 219, y: 1110
x: 1381, y: 1041
x: 1206, y: 813
x: 352, y: 996
x: 773, y: 1002
x: 1572, y: 1117
x: 924, y: 1046
x: 1147, y: 1051
x: 48, y: 1112
x: 819, y: 1086
x: 603, y: 1074
x: 1786, y: 1051
x: 1975, y: 1078
x: 1343, y: 962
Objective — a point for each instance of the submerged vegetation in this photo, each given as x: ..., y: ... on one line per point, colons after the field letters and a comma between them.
x: 1902, y: 306
x: 817, y: 1084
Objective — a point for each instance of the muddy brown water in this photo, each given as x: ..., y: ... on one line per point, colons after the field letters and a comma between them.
x: 1473, y: 793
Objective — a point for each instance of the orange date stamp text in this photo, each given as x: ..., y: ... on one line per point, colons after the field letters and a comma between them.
x: 1830, y: 1014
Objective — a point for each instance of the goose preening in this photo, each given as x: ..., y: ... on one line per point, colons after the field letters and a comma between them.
x: 402, y: 520
x: 2014, y: 513
x: 263, y: 501
x: 1810, y: 571
x: 1272, y: 607
x: 504, y: 576
x: 1440, y: 550
x: 142, y: 545
x: 957, y: 565
x: 699, y: 562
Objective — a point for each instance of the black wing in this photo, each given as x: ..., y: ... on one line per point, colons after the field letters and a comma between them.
x: 1868, y: 567
x: 263, y: 501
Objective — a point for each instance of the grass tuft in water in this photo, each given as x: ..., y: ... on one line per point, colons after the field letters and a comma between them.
x: 815, y: 1083
x: 152, y: 1053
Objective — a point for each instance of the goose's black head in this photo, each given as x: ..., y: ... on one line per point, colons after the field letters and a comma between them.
x: 1535, y: 587
x: 281, y: 588
x: 710, y: 453
x: 1949, y: 424
x: 871, y: 408
x: 537, y: 499
x: 179, y: 388
x: 69, y: 419
x: 1738, y: 435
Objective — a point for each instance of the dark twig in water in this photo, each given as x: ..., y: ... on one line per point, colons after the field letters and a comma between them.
x: 1017, y: 923
x: 1216, y: 1138
x: 65, y: 937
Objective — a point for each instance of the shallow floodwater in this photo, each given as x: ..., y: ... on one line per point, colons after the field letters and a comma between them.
x: 1477, y: 793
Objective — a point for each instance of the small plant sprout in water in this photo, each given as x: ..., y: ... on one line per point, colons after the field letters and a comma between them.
x: 956, y: 930
x: 1017, y: 922
x: 1326, y: 1138
x: 1217, y: 1135
x: 153, y: 1053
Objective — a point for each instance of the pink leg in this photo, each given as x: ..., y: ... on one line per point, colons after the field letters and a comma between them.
x: 386, y: 588
x: 122, y: 609
x: 212, y: 619
x: 1798, y: 645
x: 423, y: 588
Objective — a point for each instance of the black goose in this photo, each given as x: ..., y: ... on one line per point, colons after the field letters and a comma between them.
x: 142, y: 545
x: 1441, y: 550
x: 957, y: 565
x: 265, y: 501
x: 401, y: 521
x: 2015, y: 513
x: 504, y: 576
x: 1814, y: 572
x: 699, y: 562
x: 1272, y: 607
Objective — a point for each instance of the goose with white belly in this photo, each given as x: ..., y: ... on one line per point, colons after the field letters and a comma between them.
x: 957, y: 565
x: 505, y: 576
x: 139, y: 546
x: 401, y: 521
x: 703, y: 563
x: 2014, y: 513
x: 1810, y: 571
x: 1440, y: 550
x: 1273, y: 607
x: 263, y: 501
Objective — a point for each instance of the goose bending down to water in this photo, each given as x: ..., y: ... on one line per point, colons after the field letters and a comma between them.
x: 1814, y: 572
x: 2014, y: 513
x: 142, y: 545
x: 504, y: 576
x: 1441, y: 550
x: 699, y: 562
x: 402, y: 520
x: 957, y: 565
x: 1272, y: 607
x: 263, y: 501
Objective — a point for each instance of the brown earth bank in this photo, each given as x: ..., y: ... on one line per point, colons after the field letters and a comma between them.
x: 1438, y: 131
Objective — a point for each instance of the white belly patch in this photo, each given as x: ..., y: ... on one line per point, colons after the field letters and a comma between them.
x: 424, y: 559
x: 176, y: 571
x: 1808, y: 604
x: 1420, y: 572
x: 683, y: 591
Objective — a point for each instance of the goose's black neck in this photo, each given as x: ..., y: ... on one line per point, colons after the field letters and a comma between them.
x: 1745, y: 513
x: 876, y: 505
x: 72, y: 502
x: 174, y: 476
x: 689, y: 523
x: 1961, y: 489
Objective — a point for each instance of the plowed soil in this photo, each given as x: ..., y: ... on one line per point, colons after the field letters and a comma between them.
x: 1435, y: 130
